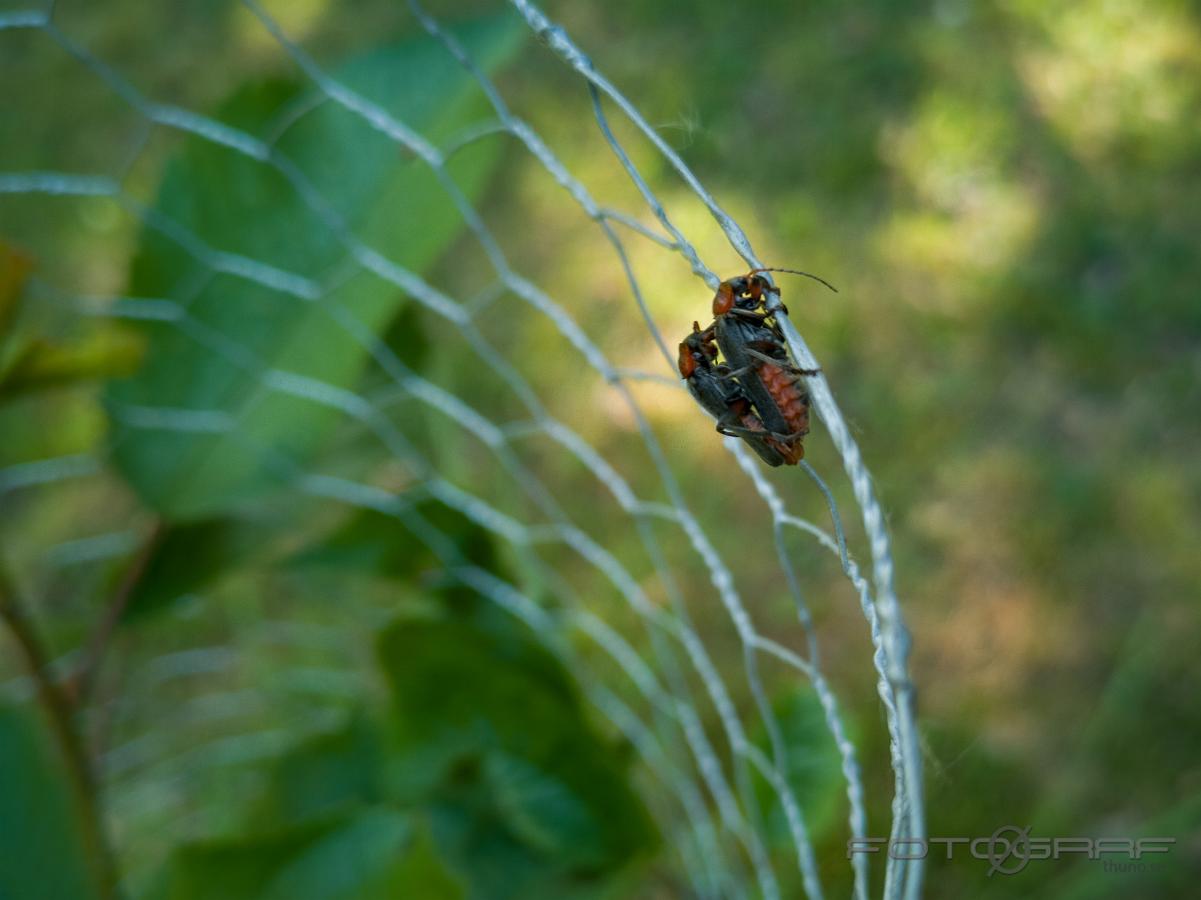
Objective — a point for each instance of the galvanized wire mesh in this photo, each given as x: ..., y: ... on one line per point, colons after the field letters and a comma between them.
x: 712, y: 812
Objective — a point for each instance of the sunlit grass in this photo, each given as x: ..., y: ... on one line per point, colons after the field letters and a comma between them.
x: 971, y: 214
x: 1109, y: 72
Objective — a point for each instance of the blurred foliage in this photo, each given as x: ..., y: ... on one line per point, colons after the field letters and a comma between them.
x: 392, y: 203
x: 532, y: 801
x: 483, y: 779
x: 32, y: 363
x: 369, y: 856
x: 301, y: 704
x: 187, y: 557
x: 46, y: 852
x: 813, y: 770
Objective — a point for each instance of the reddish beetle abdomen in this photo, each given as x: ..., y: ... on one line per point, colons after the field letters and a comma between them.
x: 793, y: 453
x: 793, y: 404
x: 790, y: 399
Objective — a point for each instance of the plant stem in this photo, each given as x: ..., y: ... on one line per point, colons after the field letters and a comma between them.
x: 61, y: 713
x: 88, y: 672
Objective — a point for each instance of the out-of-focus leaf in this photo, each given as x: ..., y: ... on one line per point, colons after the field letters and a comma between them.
x: 814, y: 768
x: 107, y: 353
x: 406, y: 337
x: 330, y: 774
x: 540, y: 809
x: 369, y: 542
x: 497, y: 702
x: 375, y: 543
x: 460, y: 689
x: 189, y: 557
x: 426, y: 874
x: 30, y: 361
x: 43, y: 849
x: 495, y: 861
x: 235, y: 204
x: 475, y: 833
x: 15, y: 267
x: 233, y: 869
x: 363, y: 858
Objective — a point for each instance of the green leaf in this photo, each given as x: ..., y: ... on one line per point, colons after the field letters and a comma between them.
x: 43, y: 849
x: 494, y: 861
x: 189, y: 557
x: 42, y: 364
x: 814, y: 769
x: 235, y: 204
x: 33, y: 360
x: 425, y: 874
x: 15, y: 267
x: 330, y: 774
x: 367, y: 541
x: 360, y: 860
x: 540, y: 809
x: 367, y: 857
x: 379, y: 544
x: 469, y: 698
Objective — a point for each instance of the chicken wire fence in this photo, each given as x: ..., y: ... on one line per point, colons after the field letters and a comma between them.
x: 668, y: 685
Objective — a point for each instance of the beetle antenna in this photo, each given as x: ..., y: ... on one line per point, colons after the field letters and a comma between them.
x: 798, y: 272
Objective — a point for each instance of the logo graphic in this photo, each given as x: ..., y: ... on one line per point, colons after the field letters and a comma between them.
x: 1010, y: 848
x: 1017, y: 850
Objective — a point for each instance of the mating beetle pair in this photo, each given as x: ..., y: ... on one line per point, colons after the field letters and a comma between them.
x: 756, y: 394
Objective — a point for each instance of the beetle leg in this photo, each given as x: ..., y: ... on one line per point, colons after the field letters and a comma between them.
x: 724, y: 427
x: 748, y: 314
x: 734, y: 373
x: 766, y: 346
x: 726, y: 424
x: 768, y: 451
x: 741, y: 431
x: 788, y: 438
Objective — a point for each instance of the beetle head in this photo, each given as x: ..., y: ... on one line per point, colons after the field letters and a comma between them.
x: 687, y: 361
x: 697, y: 349
x: 745, y: 292
x: 756, y: 287
x: 727, y: 291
